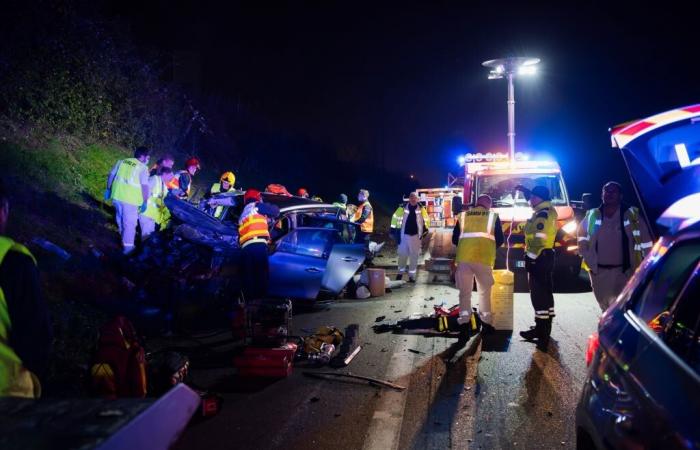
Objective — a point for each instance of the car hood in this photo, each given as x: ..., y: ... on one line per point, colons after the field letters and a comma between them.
x: 662, y: 155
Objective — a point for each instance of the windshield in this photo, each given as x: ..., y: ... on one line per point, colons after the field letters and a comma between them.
x: 500, y: 187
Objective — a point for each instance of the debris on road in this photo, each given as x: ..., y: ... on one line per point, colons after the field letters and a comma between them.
x: 349, y: 348
x: 370, y: 380
x: 380, y: 318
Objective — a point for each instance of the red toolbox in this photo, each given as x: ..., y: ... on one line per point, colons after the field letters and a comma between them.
x: 275, y: 362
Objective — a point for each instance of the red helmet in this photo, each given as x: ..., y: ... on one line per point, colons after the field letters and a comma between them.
x: 252, y: 194
x: 302, y: 192
x: 192, y: 162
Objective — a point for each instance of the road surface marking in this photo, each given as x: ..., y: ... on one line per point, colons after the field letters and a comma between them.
x: 385, y: 428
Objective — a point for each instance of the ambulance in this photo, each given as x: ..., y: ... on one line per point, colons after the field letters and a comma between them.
x: 496, y: 175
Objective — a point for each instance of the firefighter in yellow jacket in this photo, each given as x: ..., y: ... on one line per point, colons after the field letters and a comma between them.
x: 477, y: 234
x: 540, y: 232
x: 409, y: 225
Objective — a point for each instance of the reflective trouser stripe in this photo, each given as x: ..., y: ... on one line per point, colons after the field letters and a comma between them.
x: 476, y: 234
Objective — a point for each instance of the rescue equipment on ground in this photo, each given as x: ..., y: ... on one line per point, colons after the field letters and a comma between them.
x: 119, y: 365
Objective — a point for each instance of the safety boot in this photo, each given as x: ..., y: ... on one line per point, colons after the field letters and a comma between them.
x: 399, y: 277
x: 464, y: 333
x: 543, y: 328
x: 529, y: 335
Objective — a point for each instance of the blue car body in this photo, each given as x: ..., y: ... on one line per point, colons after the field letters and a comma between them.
x: 643, y: 385
x: 313, y: 251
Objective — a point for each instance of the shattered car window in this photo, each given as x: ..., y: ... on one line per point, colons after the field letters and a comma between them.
x: 313, y: 242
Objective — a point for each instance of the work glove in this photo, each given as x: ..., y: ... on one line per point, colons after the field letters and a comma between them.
x: 108, y: 194
x: 142, y: 208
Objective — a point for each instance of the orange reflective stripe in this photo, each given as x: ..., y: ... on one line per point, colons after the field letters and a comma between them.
x: 253, y: 226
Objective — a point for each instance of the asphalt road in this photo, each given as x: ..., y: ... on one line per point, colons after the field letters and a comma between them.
x: 495, y: 393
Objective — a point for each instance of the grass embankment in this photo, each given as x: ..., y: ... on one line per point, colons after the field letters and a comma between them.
x: 56, y: 194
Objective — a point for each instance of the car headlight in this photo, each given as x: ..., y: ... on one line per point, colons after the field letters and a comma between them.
x: 570, y: 228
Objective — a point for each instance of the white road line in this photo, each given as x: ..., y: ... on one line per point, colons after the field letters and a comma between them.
x: 385, y: 428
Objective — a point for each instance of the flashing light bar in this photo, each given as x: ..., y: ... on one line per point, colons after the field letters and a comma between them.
x: 479, y: 157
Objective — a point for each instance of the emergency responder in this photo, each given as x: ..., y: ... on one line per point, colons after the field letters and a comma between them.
x: 166, y: 160
x: 226, y: 184
x: 540, y: 231
x: 612, y: 239
x: 254, y: 237
x: 364, y: 216
x: 25, y: 330
x: 342, y: 205
x: 303, y: 193
x: 127, y: 187
x: 156, y: 212
x: 409, y: 225
x: 477, y: 234
x: 181, y: 184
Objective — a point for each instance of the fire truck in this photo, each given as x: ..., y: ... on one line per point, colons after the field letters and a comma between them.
x: 496, y: 175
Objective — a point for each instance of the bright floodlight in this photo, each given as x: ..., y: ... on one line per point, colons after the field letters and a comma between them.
x: 509, y: 68
x: 461, y: 160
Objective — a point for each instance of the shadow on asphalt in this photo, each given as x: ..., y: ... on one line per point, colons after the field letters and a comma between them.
x: 444, y: 408
x: 497, y: 342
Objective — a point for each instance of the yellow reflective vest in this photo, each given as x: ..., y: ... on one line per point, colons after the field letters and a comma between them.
x: 126, y: 185
x: 631, y: 225
x: 15, y: 379
x: 477, y: 239
x: 398, y: 220
x: 156, y: 208
x: 540, y: 230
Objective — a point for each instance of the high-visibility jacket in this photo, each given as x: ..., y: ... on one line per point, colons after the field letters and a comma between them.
x: 252, y: 226
x: 540, y: 230
x: 477, y: 239
x: 368, y: 225
x: 632, y: 227
x: 15, y: 379
x: 398, y: 220
x: 156, y: 206
x: 126, y: 185
x: 216, y: 189
x: 175, y: 183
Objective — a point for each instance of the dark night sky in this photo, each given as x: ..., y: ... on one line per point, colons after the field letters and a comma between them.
x: 406, y: 82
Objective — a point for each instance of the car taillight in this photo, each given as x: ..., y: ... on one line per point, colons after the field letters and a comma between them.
x: 593, y: 344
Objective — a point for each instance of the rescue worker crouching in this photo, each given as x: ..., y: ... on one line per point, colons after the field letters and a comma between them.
x: 613, y: 240
x: 477, y: 234
x: 25, y: 329
x: 254, y: 237
x: 540, y: 232
x: 409, y: 225
x: 364, y: 216
x: 127, y: 187
x: 156, y: 212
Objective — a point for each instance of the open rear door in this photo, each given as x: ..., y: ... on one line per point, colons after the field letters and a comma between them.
x: 662, y: 154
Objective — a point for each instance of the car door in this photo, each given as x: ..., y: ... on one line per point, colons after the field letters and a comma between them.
x: 298, y: 263
x: 343, y: 262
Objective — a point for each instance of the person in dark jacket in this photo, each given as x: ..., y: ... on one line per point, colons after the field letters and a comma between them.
x: 25, y: 331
